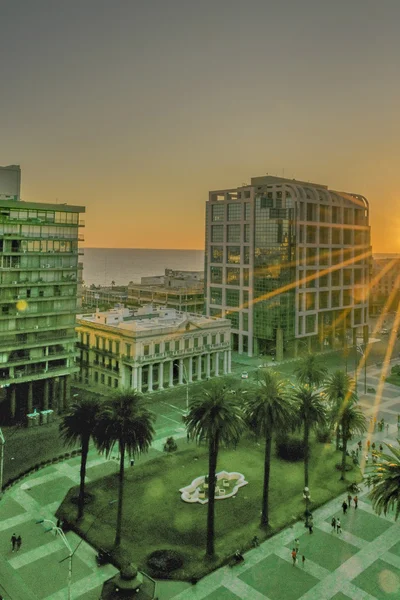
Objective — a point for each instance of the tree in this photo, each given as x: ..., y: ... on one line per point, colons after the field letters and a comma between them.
x: 215, y: 418
x: 311, y: 414
x: 77, y: 427
x: 269, y: 410
x: 338, y: 387
x: 112, y: 284
x: 385, y: 494
x: 352, y: 420
x: 126, y: 421
x: 310, y: 372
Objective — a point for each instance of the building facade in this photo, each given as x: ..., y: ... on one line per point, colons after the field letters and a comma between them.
x: 182, y: 290
x: 288, y: 263
x: 39, y: 280
x: 10, y: 182
x: 151, y: 348
x: 385, y: 284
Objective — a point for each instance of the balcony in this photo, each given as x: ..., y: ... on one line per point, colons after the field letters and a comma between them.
x: 27, y: 375
x: 49, y: 357
x: 102, y: 351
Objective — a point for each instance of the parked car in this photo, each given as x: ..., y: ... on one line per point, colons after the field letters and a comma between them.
x: 245, y: 375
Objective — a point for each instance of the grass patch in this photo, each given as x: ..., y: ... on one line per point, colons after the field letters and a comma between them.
x: 394, y: 379
x: 156, y: 518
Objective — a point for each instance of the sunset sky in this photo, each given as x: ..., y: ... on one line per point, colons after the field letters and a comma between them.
x: 137, y: 108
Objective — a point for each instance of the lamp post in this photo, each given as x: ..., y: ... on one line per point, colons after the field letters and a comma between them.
x: 70, y: 553
x: 307, y: 498
x: 2, y: 442
x: 187, y: 388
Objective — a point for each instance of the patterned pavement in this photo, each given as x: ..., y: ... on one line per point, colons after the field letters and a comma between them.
x: 363, y: 563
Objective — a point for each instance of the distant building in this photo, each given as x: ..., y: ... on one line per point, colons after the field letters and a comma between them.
x: 39, y: 286
x: 288, y: 263
x: 385, y: 284
x: 10, y: 182
x: 182, y: 290
x: 151, y: 348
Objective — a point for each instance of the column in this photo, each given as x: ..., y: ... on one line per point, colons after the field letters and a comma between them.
x: 150, y: 379
x: 161, y: 376
x: 216, y: 364
x: 135, y: 378
x: 30, y: 398
x: 190, y: 375
x: 199, y: 368
x: 171, y: 374
x: 54, y: 403
x: 46, y: 395
x: 180, y: 371
x: 13, y: 401
x: 229, y: 361
x: 208, y: 366
x: 225, y: 362
x: 140, y: 379
x: 67, y: 391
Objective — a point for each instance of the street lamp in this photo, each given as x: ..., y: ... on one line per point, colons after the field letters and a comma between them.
x: 187, y: 388
x: 307, y: 498
x: 70, y: 553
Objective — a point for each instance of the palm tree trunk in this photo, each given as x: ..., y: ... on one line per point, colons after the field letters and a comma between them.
x: 344, y: 442
x: 267, y: 466
x: 120, y: 494
x: 84, y: 455
x: 212, y: 467
x: 306, y: 450
x: 337, y: 437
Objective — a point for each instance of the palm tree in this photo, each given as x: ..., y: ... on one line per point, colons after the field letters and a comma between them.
x: 125, y: 421
x: 269, y: 410
x: 338, y: 387
x: 311, y: 414
x: 352, y: 420
x: 216, y: 418
x: 385, y: 494
x: 310, y: 372
x: 77, y: 427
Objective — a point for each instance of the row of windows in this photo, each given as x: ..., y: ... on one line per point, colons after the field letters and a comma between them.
x: 335, y: 236
x: 333, y: 299
x: 235, y: 211
x: 233, y: 254
x: 342, y: 277
x: 332, y: 214
x: 308, y: 323
x: 101, y: 378
x: 233, y: 276
x: 176, y: 345
x: 233, y: 233
x: 41, y: 216
x: 232, y: 297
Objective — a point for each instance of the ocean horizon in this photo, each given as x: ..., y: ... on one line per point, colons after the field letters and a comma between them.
x: 101, y: 266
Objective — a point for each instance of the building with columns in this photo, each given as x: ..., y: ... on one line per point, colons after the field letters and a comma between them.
x: 151, y: 348
x: 288, y: 262
x: 39, y: 280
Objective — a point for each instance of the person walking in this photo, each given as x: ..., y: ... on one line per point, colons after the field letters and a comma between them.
x: 387, y: 428
x: 380, y: 448
x: 368, y: 445
x: 333, y: 523
x: 344, y: 506
x: 19, y: 543
x: 297, y: 544
x: 373, y: 447
x: 13, y: 542
x: 255, y: 541
x: 303, y: 560
x: 360, y: 445
x: 355, y: 501
x: 338, y: 526
x: 310, y: 524
x: 294, y: 556
x: 349, y: 499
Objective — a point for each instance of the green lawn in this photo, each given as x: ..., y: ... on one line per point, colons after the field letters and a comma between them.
x: 155, y: 517
x: 394, y: 379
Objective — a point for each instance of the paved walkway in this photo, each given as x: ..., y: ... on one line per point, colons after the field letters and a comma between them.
x: 363, y: 563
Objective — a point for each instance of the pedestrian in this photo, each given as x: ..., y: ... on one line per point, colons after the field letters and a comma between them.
x: 368, y: 445
x: 360, y: 445
x: 338, y: 526
x: 333, y: 523
x: 387, y: 428
x: 294, y: 556
x: 255, y: 541
x: 373, y: 447
x: 187, y: 438
x: 297, y: 543
x: 310, y: 524
x: 303, y: 560
x: 19, y: 542
x: 355, y: 501
x: 344, y: 506
x: 349, y: 499
x: 374, y: 458
x: 380, y: 448
x: 13, y: 541
x: 366, y: 459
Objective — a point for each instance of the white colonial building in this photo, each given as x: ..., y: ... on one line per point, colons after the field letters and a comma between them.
x: 151, y: 348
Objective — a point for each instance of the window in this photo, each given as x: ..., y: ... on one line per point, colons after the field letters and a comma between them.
x: 156, y: 348
x: 245, y: 321
x: 323, y: 299
x: 233, y: 254
x: 205, y: 342
x: 234, y: 211
x: 216, y: 296
x: 217, y: 233
x: 246, y: 277
x: 311, y: 212
x: 324, y: 235
x: 216, y: 274
x: 115, y: 383
x: 187, y: 344
x: 213, y: 339
x: 311, y: 234
x: 218, y: 212
x: 246, y: 237
x: 246, y: 255
x: 233, y: 298
x: 195, y: 342
x: 146, y: 350
x: 310, y: 301
x: 233, y: 233
x: 234, y: 319
x: 128, y: 350
x: 177, y: 344
x: 335, y: 278
x: 335, y: 298
x: 102, y: 378
x: 323, y: 281
x: 110, y: 345
x: 311, y: 254
x: 166, y: 347
x: 247, y: 211
x: 336, y: 236
x: 348, y: 237
x: 245, y: 298
x: 96, y: 377
x: 232, y: 276
x: 310, y: 324
x: 266, y: 202
x: 217, y: 254
x: 109, y: 382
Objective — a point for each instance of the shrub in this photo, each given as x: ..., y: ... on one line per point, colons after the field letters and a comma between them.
x: 170, y: 445
x: 290, y: 448
x: 395, y: 370
x: 162, y: 562
x: 324, y: 435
